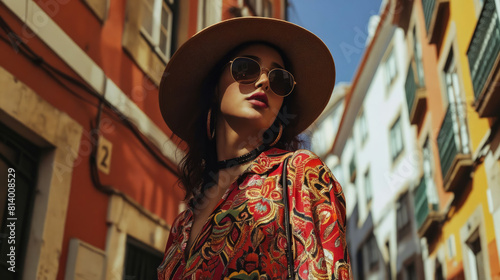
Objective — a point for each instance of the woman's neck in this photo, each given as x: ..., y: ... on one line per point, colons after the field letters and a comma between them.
x: 231, y: 143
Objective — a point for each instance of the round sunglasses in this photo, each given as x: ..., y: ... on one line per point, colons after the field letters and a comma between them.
x: 247, y: 71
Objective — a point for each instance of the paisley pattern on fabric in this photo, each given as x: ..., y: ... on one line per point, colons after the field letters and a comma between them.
x: 244, y: 237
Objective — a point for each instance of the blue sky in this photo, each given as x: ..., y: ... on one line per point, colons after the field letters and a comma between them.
x: 341, y: 24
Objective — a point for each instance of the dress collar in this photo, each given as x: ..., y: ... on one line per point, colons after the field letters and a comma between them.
x: 267, y: 160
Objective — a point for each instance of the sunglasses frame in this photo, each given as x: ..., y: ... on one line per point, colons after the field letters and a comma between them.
x: 260, y: 74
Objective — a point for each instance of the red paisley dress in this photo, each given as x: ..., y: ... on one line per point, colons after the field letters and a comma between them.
x: 244, y: 237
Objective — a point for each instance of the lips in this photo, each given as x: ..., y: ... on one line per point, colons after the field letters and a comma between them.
x: 259, y: 99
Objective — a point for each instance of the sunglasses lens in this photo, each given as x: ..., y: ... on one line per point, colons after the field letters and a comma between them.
x: 281, y: 82
x: 245, y: 70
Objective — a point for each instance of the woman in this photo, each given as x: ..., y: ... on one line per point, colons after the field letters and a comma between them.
x: 238, y: 93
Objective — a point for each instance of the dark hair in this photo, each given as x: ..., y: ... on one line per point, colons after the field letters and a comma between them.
x: 197, y: 166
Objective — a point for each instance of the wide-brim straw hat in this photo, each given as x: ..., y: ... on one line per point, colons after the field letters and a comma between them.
x: 311, y: 64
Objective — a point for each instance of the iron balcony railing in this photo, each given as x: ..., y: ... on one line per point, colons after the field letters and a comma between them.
x: 422, y: 207
x: 421, y: 203
x: 484, y: 47
x: 410, y: 88
x: 446, y: 143
x: 428, y: 10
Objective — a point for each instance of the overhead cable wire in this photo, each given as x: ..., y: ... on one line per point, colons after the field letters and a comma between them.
x: 59, y: 76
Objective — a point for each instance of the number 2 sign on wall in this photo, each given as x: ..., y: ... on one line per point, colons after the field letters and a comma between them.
x: 104, y: 155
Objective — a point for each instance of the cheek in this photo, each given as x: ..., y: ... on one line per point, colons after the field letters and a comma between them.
x: 275, y: 103
x: 228, y: 93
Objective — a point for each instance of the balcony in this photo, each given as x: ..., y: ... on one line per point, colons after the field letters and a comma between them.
x: 426, y: 215
x: 429, y: 7
x: 415, y: 98
x: 483, y: 55
x: 436, y: 14
x: 455, y: 165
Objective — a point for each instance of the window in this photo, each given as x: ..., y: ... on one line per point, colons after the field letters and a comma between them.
x: 403, y: 219
x: 368, y: 255
x: 262, y: 8
x: 410, y: 272
x: 352, y: 168
x: 417, y: 53
x: 149, y: 34
x: 390, y: 68
x: 363, y: 127
x: 368, y: 187
x: 22, y: 156
x: 396, y: 137
x: 267, y: 8
x: 156, y: 25
x: 209, y: 12
x: 451, y: 246
x: 372, y: 252
x: 141, y: 261
x: 252, y: 3
x: 360, y: 264
x: 438, y: 275
x: 388, y: 264
x: 432, y: 196
x: 456, y: 105
x: 475, y: 255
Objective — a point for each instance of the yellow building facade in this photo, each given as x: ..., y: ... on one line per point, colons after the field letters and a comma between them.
x: 465, y: 34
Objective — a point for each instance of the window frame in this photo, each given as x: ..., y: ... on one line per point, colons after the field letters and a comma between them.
x: 390, y: 68
x: 428, y: 169
x: 456, y: 102
x: 403, y: 220
x: 439, y: 271
x: 396, y: 151
x: 451, y: 248
x: 19, y: 151
x: 208, y: 13
x: 410, y: 270
x: 417, y: 61
x: 476, y: 270
x: 473, y: 228
x: 157, y: 27
x: 372, y: 254
x: 368, y: 188
x: 363, y: 127
x: 352, y: 169
x: 139, y: 48
x: 145, y: 250
x: 360, y: 263
x: 266, y: 8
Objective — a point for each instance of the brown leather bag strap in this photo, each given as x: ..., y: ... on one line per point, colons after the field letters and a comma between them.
x: 288, y: 228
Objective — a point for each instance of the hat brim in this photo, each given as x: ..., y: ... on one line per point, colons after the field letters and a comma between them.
x: 182, y: 81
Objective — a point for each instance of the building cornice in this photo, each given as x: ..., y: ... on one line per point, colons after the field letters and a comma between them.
x: 364, y: 75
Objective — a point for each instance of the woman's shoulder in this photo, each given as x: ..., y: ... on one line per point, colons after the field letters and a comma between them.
x: 306, y: 162
x: 303, y: 157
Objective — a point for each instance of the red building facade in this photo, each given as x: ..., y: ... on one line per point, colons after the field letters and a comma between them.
x: 95, y: 183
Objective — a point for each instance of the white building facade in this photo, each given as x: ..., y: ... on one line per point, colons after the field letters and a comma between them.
x: 376, y: 160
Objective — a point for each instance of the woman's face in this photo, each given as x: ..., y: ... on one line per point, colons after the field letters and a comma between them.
x: 255, y: 102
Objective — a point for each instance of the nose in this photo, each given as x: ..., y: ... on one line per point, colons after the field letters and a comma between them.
x: 263, y: 80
